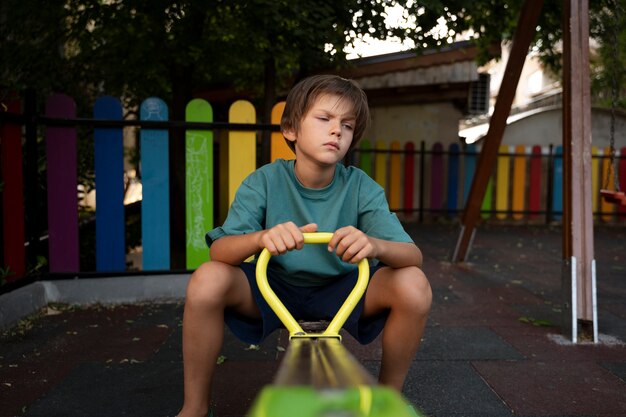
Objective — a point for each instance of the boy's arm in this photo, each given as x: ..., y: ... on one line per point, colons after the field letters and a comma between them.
x: 352, y: 245
x: 234, y: 249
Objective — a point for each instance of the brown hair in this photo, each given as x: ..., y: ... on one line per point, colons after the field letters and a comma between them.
x: 304, y: 94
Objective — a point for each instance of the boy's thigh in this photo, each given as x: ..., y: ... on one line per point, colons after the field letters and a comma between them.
x: 380, y: 292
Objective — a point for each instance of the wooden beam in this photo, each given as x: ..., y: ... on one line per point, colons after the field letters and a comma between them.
x: 524, y: 35
x: 578, y: 249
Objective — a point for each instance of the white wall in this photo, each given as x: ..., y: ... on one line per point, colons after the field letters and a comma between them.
x: 433, y: 122
x: 545, y: 127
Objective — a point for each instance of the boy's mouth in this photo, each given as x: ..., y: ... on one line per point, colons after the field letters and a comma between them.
x: 334, y: 145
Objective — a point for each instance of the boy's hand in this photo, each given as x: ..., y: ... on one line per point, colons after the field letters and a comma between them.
x: 285, y: 237
x: 352, y: 245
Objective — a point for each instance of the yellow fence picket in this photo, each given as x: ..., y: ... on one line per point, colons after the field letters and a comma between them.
x: 502, y: 182
x: 519, y: 182
x: 380, y: 163
x: 595, y: 178
x: 608, y: 182
x: 241, y: 146
x: 279, y: 148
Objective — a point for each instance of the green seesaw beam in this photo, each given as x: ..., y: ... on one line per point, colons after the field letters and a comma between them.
x: 318, y: 376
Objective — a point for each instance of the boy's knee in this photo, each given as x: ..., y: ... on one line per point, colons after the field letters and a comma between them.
x: 413, y: 289
x: 208, y: 283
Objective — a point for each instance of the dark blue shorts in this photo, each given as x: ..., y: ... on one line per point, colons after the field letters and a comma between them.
x: 304, y: 303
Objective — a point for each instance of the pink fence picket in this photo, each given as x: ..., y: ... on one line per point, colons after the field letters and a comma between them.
x: 12, y: 196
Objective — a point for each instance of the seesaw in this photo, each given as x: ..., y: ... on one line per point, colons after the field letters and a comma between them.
x: 318, y: 376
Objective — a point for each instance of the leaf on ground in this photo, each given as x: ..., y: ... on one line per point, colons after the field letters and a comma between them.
x: 221, y: 359
x: 51, y: 311
x: 536, y: 322
x: 253, y: 347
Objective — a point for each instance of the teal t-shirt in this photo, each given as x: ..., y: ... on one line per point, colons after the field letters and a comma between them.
x: 272, y: 195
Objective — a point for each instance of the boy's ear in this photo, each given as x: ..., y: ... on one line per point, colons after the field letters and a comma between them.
x: 290, y: 135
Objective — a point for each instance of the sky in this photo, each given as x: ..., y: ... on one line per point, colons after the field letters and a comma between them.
x: 370, y: 47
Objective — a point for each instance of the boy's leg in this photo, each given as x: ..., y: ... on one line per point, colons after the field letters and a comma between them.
x: 212, y: 287
x: 406, y: 293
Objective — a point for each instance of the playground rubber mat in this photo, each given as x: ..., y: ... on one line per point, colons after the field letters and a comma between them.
x: 493, y: 346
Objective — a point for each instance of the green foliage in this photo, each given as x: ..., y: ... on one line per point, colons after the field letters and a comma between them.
x: 137, y: 48
x: 609, y: 66
x: 38, y: 267
x: 5, y: 272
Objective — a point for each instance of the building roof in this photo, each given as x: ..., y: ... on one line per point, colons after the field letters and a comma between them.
x: 406, y: 77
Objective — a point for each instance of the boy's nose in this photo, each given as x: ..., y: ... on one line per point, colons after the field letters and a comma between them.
x: 336, y: 129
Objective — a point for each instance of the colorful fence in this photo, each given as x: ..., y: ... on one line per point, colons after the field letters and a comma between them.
x: 526, y: 184
x: 419, y: 181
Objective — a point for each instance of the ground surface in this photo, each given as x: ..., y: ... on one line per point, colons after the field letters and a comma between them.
x: 493, y: 346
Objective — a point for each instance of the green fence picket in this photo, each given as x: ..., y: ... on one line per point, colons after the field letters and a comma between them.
x: 198, y: 182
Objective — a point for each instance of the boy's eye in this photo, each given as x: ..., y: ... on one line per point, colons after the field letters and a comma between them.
x: 347, y: 126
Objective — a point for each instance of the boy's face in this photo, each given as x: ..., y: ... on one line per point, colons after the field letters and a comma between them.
x: 325, y: 132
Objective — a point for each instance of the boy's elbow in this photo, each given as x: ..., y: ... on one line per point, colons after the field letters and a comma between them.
x: 417, y: 256
x: 217, y: 251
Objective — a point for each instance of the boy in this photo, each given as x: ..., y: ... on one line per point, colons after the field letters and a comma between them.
x: 323, y: 118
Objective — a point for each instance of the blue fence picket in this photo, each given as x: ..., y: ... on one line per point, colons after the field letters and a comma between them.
x: 469, y: 167
x: 155, y: 205
x: 109, y: 168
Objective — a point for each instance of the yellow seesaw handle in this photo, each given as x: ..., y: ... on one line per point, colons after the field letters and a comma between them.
x: 295, y: 330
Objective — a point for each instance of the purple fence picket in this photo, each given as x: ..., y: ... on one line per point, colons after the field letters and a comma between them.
x: 453, y: 178
x: 436, y: 177
x: 61, y: 158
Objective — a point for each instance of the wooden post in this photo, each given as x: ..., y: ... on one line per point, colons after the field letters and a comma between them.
x: 486, y: 162
x: 578, y: 250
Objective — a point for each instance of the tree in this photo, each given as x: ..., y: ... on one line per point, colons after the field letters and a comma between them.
x: 136, y: 48
x: 491, y: 22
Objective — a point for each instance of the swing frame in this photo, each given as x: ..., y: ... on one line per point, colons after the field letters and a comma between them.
x: 616, y: 195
